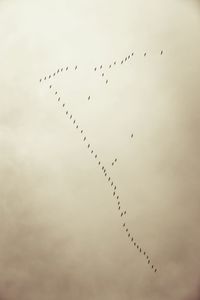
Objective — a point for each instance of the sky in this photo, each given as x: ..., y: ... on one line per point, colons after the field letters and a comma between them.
x: 61, y: 230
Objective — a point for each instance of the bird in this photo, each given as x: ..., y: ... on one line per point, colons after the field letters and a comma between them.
x: 118, y: 203
x: 132, y: 135
x: 84, y: 138
x: 66, y: 68
x: 58, y: 71
x: 105, y: 174
x: 126, y: 229
x: 115, y: 159
x: 112, y: 164
x: 148, y: 261
x: 155, y: 270
x: 92, y: 151
x: 121, y: 62
x: 99, y: 162
x: 128, y: 56
x: 119, y: 207
x: 144, y: 253
x: 59, y: 99
x: 40, y: 79
x: 106, y: 81
x: 103, y: 168
x: 137, y: 246
x: 121, y: 214
x: 109, y: 66
x: 66, y: 112
x: 88, y: 145
x: 117, y: 197
x: 95, y: 156
x: 124, y: 225
x: 114, y: 194
x: 152, y: 266
x: 95, y: 69
x: 125, y: 212
x: 50, y: 86
x: 76, y: 126
x: 114, y: 62
x: 145, y: 54
x: 108, y: 178
x: 125, y: 58
x: 45, y: 78
x: 115, y: 187
x: 61, y: 69
x: 132, y: 239
x: 102, y: 74
x: 140, y: 250
x: 81, y: 131
x: 161, y: 52
x: 70, y: 116
x: 134, y: 243
x: 75, y: 67
x: 54, y: 74
x: 111, y: 183
x: 74, y: 121
x: 88, y: 97
x: 132, y: 53
x: 49, y: 76
x: 63, y: 104
x: 56, y: 93
x: 101, y: 67
x: 129, y: 235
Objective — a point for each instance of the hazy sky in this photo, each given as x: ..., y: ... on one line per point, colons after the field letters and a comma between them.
x: 61, y: 234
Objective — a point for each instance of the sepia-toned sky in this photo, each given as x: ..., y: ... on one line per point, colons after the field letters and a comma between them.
x: 61, y: 234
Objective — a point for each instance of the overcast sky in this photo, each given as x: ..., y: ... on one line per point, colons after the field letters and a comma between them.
x: 61, y: 233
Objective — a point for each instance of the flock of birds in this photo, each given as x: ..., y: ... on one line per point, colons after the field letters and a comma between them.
x: 101, y: 165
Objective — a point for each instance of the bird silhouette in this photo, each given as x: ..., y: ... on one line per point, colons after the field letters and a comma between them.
x: 161, y: 53
x: 115, y: 159
x: 63, y: 104
x: 102, y: 74
x: 84, y: 138
x: 132, y: 135
x: 70, y: 116
x: 126, y: 229
x: 145, y: 54
x: 119, y: 207
x: 128, y: 56
x: 106, y: 81
x: 125, y: 58
x: 74, y: 121
x: 132, y: 53
x: 50, y: 86
x: 88, y: 145
x: 99, y: 162
x: 61, y: 69
x: 66, y: 68
x: 75, y: 67
x: 44, y: 78
x: 114, y: 194
x: 76, y: 126
x: 58, y: 71
x: 155, y: 270
x: 117, y: 197
x: 56, y: 93
x: 121, y: 214
x: 95, y: 69
x: 129, y: 235
x: 114, y: 62
x: 49, y: 76
x: 124, y: 225
x: 66, y: 112
x: 95, y: 156
x: 109, y: 66
x: 148, y: 261
x: 59, y: 99
x: 92, y: 151
x: 132, y: 239
x: 88, y: 97
x: 54, y: 74
x: 40, y: 79
x: 81, y: 131
x: 101, y: 67
x: 112, y: 164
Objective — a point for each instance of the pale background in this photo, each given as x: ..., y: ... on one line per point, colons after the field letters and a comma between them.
x: 61, y: 236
